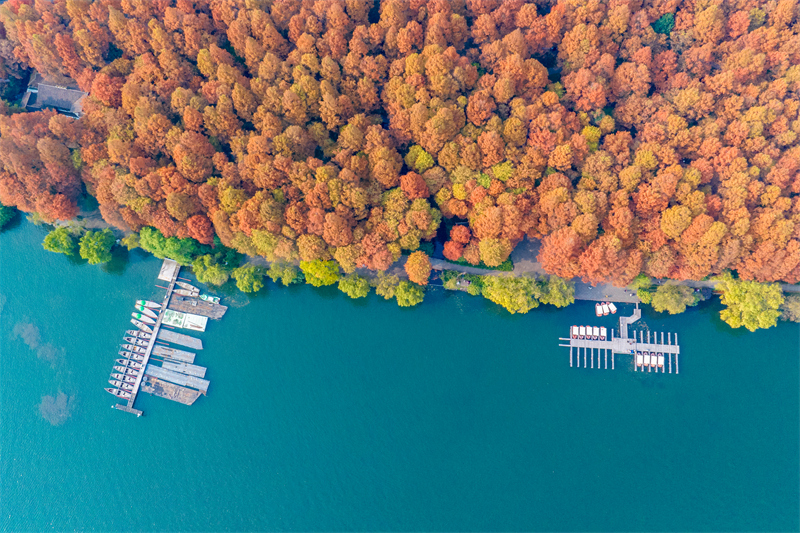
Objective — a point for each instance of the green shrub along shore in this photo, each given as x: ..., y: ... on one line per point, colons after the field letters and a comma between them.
x: 749, y: 304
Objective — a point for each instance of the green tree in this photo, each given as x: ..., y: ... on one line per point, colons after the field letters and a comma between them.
x: 674, y: 298
x: 6, y: 214
x: 750, y: 304
x: 409, y: 294
x: 385, y: 285
x: 518, y: 294
x: 184, y: 251
x: 249, y: 278
x: 209, y: 269
x: 354, y: 286
x: 319, y: 273
x: 96, y: 246
x: 557, y: 291
x: 790, y: 309
x: 287, y: 273
x: 61, y: 241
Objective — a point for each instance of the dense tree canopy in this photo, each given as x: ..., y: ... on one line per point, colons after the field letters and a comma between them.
x: 95, y: 246
x: 656, y: 137
x: 750, y: 304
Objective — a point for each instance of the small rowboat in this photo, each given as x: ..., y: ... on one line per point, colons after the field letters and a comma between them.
x: 119, y: 393
x: 125, y: 370
x: 123, y: 377
x: 582, y: 332
x: 141, y: 325
x: 639, y: 359
x: 120, y: 384
x: 184, y: 292
x: 595, y: 332
x: 598, y: 309
x: 207, y: 298
x: 145, y: 319
x: 137, y: 342
x: 186, y: 286
x: 131, y: 355
x: 574, y: 332
x: 129, y: 363
x: 136, y: 333
x: 146, y: 311
x: 660, y: 360
x: 603, y: 332
x: 148, y: 303
x: 606, y: 309
x: 613, y: 308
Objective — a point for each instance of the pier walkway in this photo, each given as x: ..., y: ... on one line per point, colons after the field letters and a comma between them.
x: 625, y: 344
x: 169, y: 270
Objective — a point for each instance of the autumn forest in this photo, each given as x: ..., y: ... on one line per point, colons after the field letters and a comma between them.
x: 630, y: 137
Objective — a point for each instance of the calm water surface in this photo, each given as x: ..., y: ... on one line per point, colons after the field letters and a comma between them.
x: 330, y: 414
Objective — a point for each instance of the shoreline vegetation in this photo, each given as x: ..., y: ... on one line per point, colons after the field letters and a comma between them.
x: 651, y: 150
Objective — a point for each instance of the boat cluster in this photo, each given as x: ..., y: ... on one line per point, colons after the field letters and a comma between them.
x: 186, y: 290
x: 651, y: 359
x: 604, y: 308
x: 588, y: 332
x: 128, y: 368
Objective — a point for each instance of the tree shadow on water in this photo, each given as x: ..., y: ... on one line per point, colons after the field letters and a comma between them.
x: 120, y: 258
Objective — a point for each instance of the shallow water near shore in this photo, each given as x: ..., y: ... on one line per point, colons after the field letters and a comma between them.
x: 331, y: 414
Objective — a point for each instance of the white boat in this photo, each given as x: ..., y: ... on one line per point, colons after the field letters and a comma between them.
x: 133, y: 348
x: 603, y: 333
x: 137, y: 342
x: 582, y: 332
x: 598, y: 309
x: 184, y: 292
x: 574, y: 332
x: 646, y: 358
x: 207, y: 298
x: 639, y: 359
x: 124, y: 377
x: 146, y: 311
x: 606, y: 309
x: 131, y: 355
x: 125, y: 370
x: 121, y: 384
x: 145, y: 319
x: 612, y: 307
x: 138, y: 334
x: 148, y: 303
x: 653, y: 359
x: 141, y: 325
x: 595, y: 333
x: 660, y: 360
x: 129, y: 363
x: 186, y: 286
x: 119, y: 393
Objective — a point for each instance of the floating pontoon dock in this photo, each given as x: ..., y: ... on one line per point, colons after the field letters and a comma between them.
x: 169, y: 391
x: 180, y: 338
x: 172, y: 353
x: 625, y: 344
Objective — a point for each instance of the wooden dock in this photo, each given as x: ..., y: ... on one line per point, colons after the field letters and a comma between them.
x: 169, y: 391
x: 183, y: 368
x: 627, y: 344
x: 186, y: 304
x: 172, y: 353
x: 179, y: 338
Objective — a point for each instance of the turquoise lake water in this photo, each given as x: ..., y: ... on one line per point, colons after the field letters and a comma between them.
x: 331, y: 414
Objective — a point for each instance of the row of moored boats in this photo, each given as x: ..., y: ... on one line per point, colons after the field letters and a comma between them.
x: 588, y: 332
x: 131, y: 363
x: 604, y: 308
x: 651, y: 359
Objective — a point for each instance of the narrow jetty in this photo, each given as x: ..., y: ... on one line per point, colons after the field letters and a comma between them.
x: 187, y: 304
x: 627, y: 343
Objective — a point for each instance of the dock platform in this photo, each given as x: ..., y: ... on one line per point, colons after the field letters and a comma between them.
x: 169, y: 391
x: 177, y: 378
x: 626, y: 343
x: 186, y: 304
x: 180, y: 338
